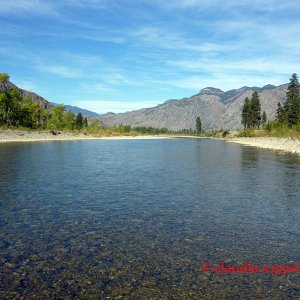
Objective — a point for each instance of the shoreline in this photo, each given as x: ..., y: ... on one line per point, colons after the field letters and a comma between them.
x: 284, y: 144
x: 20, y: 136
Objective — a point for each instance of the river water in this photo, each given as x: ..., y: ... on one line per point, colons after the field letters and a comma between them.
x: 148, y: 219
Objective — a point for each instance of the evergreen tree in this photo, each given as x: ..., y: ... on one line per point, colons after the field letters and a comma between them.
x: 246, y: 114
x: 281, y: 116
x: 292, y: 103
x: 79, y: 121
x: 198, y: 125
x: 264, y: 118
x: 85, y: 122
x: 255, y: 110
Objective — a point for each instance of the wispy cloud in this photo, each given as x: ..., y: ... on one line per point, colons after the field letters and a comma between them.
x: 257, y: 65
x: 60, y: 70
x: 49, y: 7
x: 103, y: 107
x: 86, y: 3
x: 226, y: 82
x: 261, y: 5
x: 123, y: 49
x: 27, y: 6
x: 170, y: 39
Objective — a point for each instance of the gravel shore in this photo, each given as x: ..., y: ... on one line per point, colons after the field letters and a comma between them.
x: 10, y: 136
x: 283, y: 144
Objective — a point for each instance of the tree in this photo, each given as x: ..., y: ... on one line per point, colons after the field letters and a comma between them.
x: 68, y: 120
x: 44, y: 118
x: 10, y: 105
x: 246, y: 114
x: 255, y: 110
x: 30, y: 114
x: 56, y: 119
x: 79, y: 121
x: 264, y: 118
x: 281, y: 115
x: 292, y: 103
x: 4, y: 77
x: 198, y: 125
x: 85, y: 122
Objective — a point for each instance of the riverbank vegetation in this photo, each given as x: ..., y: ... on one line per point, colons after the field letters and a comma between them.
x: 22, y: 113
x: 287, y: 122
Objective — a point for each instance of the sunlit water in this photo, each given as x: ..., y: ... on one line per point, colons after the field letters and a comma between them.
x: 137, y: 220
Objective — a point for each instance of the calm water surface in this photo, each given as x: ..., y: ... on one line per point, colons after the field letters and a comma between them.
x: 137, y: 220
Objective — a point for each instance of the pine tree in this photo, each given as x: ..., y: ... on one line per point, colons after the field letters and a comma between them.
x: 79, y: 120
x: 292, y: 103
x: 281, y: 114
x: 85, y: 122
x: 264, y: 118
x: 198, y: 125
x: 255, y: 110
x: 246, y: 114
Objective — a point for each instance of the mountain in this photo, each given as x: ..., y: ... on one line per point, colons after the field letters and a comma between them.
x: 7, y: 85
x: 76, y: 110
x: 216, y: 108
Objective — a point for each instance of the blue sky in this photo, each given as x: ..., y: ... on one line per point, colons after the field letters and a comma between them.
x: 120, y: 55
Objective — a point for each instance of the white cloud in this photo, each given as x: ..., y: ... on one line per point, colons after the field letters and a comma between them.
x: 27, y: 6
x: 46, y: 7
x: 169, y: 39
x: 86, y: 3
x: 255, y: 65
x: 261, y: 5
x: 60, y: 70
x: 226, y: 81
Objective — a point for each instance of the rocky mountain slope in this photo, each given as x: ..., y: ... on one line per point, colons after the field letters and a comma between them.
x: 7, y: 85
x: 216, y: 108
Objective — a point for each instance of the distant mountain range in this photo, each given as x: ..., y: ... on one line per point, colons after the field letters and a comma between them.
x: 216, y: 108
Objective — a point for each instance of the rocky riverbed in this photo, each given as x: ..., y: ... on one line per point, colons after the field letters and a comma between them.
x: 282, y: 144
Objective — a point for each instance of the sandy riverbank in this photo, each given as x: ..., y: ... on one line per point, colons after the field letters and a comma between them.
x: 282, y: 144
x: 10, y: 136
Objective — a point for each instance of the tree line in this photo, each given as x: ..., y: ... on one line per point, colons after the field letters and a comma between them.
x: 23, y: 111
x: 288, y: 114
x: 251, y: 113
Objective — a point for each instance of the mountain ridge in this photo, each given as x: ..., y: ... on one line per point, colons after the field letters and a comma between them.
x: 216, y: 108
x: 45, y: 104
